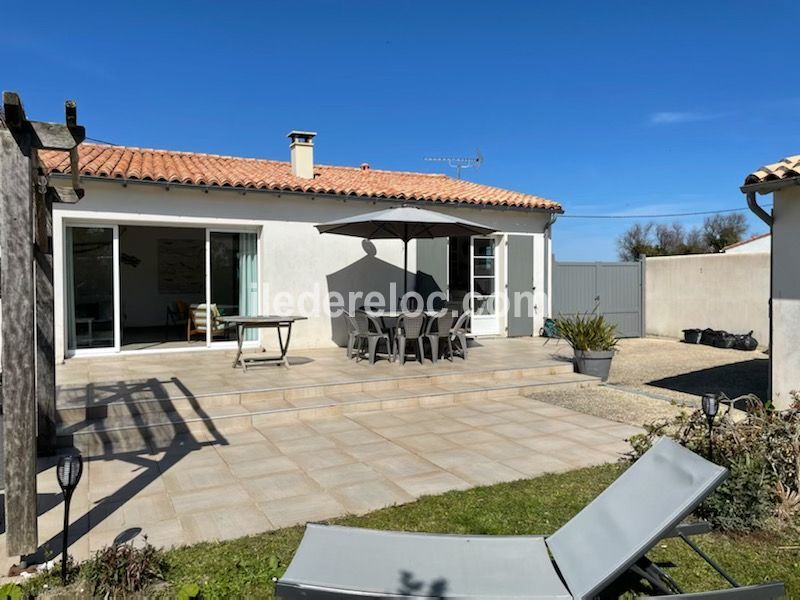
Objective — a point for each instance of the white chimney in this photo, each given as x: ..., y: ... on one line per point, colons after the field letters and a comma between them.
x: 302, y: 152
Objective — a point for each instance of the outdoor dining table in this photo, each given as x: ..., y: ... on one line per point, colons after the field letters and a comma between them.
x: 244, y: 323
x: 389, y: 317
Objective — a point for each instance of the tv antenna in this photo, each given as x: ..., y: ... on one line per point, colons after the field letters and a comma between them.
x: 458, y: 163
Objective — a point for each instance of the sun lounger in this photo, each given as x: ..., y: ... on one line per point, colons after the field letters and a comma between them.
x: 607, y: 539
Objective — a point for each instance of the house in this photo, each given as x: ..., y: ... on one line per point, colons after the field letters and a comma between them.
x: 782, y: 180
x: 752, y: 245
x: 159, y: 231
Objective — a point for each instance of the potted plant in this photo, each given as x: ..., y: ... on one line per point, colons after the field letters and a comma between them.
x: 593, y: 341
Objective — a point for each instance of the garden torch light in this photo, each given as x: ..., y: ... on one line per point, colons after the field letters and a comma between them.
x: 69, y: 472
x: 710, y: 406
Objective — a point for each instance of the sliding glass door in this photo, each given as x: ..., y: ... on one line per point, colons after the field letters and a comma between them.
x: 233, y: 278
x: 176, y: 280
x: 90, y: 288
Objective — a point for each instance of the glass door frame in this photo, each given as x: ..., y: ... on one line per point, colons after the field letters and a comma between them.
x: 210, y: 343
x: 70, y: 352
x: 492, y: 322
x: 114, y: 226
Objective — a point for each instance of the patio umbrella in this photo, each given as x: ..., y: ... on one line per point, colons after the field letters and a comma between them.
x: 403, y: 223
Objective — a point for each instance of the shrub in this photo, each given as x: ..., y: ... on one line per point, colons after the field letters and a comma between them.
x: 587, y: 332
x: 761, y: 450
x: 11, y: 591
x: 121, y: 569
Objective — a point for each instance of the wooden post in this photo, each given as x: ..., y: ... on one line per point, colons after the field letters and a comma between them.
x: 45, y: 325
x: 26, y: 289
x: 17, y: 292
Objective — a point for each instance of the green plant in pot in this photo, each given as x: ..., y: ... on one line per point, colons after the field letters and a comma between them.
x: 593, y: 341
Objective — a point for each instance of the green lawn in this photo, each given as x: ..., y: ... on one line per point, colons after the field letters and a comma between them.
x: 244, y: 568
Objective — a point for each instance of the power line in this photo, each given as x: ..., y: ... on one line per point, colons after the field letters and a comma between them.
x: 664, y: 215
x: 100, y: 141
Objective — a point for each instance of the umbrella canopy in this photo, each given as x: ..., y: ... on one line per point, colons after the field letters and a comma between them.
x: 403, y: 223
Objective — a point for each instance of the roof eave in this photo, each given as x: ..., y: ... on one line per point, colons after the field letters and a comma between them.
x: 767, y: 187
x: 343, y: 197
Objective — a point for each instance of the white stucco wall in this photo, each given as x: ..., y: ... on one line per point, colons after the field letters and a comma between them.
x: 762, y: 244
x: 721, y: 291
x: 785, y: 296
x: 296, y: 261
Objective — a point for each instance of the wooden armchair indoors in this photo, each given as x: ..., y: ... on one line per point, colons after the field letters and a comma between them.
x: 197, y: 322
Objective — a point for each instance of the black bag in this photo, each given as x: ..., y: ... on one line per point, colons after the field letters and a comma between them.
x: 746, y: 342
x: 725, y: 340
x: 692, y: 336
x: 708, y: 336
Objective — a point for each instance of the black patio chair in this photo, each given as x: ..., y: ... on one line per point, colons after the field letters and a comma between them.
x: 371, y: 331
x: 409, y: 329
x: 437, y: 332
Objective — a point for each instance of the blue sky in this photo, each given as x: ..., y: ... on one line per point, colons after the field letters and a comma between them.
x: 610, y: 107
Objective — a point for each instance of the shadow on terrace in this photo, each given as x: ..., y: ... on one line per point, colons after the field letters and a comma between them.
x: 151, y: 451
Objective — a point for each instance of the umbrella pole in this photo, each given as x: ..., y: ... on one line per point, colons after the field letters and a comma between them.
x: 405, y: 259
x: 405, y: 267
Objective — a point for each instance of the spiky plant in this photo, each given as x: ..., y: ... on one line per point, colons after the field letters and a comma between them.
x: 587, y: 332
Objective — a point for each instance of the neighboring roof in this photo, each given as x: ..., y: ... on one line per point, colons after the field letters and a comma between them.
x: 747, y: 241
x: 785, y: 169
x: 209, y: 170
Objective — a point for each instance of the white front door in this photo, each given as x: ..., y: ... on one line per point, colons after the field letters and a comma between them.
x: 483, y: 276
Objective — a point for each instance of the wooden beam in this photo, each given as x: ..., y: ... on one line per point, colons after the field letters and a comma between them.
x: 63, y: 194
x: 52, y: 136
x: 17, y: 292
x: 42, y: 135
x: 13, y: 110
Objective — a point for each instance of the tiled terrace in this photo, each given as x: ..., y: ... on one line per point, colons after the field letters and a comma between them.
x: 137, y: 402
x: 226, y: 484
x: 210, y: 372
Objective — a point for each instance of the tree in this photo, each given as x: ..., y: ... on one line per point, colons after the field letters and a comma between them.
x: 635, y: 242
x: 670, y: 239
x: 695, y: 242
x: 649, y: 239
x: 720, y: 231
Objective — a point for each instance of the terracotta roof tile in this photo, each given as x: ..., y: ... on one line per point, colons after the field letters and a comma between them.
x: 786, y: 169
x: 122, y: 162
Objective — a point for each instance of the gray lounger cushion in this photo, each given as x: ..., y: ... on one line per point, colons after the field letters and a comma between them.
x: 389, y: 564
x: 623, y: 523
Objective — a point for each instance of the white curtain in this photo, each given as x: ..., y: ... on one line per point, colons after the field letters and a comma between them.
x: 69, y: 287
x: 248, y: 278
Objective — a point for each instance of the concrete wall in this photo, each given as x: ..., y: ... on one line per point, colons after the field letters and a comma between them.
x: 721, y: 291
x: 785, y: 296
x: 295, y: 259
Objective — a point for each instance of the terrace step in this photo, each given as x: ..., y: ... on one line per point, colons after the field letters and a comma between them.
x: 148, y: 430
x: 78, y: 405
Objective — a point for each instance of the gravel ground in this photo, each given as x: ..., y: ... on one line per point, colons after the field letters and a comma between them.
x: 652, y: 378
x: 610, y: 403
